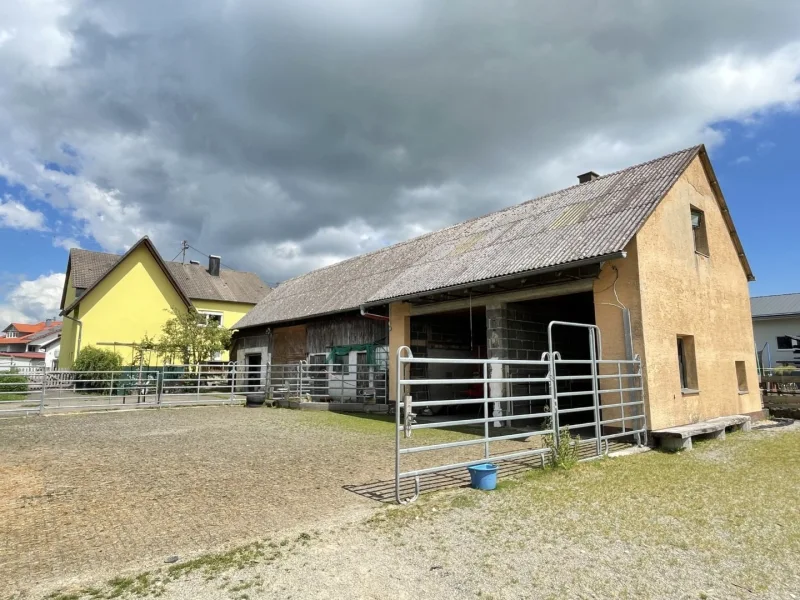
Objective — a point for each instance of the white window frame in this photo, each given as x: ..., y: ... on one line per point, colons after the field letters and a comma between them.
x: 208, y: 313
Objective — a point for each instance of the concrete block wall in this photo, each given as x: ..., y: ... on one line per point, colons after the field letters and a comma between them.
x: 514, y: 332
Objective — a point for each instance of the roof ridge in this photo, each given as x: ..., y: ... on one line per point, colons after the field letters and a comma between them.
x: 695, y: 148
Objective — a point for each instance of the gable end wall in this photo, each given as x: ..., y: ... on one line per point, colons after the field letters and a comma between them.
x: 685, y: 293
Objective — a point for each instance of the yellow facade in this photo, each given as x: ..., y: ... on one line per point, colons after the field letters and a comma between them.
x: 135, y: 299
x: 231, y: 311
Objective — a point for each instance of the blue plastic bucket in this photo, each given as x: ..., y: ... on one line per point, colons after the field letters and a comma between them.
x: 483, y: 477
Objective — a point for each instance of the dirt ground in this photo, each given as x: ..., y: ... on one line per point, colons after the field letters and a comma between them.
x: 717, y: 522
x: 86, y: 495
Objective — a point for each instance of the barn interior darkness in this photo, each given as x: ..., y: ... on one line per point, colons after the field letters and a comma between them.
x: 514, y: 331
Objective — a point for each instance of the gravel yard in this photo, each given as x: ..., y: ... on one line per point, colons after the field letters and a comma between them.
x: 721, y: 521
x: 85, y: 496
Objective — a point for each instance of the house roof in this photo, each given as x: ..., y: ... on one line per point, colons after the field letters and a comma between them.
x: 41, y: 331
x: 33, y: 355
x: 193, y: 282
x: 6, y: 341
x: 30, y: 327
x: 775, y: 306
x: 53, y: 330
x: 587, y: 221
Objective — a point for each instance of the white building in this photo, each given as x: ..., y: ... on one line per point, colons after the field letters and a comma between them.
x: 776, y: 326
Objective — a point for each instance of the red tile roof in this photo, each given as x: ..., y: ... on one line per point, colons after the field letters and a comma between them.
x: 28, y: 329
x: 39, y: 355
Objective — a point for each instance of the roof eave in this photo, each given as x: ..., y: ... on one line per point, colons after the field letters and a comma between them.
x: 726, y: 215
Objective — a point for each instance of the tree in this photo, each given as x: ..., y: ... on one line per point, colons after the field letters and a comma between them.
x: 191, y: 337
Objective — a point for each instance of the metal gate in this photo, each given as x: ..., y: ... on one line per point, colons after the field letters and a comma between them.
x: 601, y: 397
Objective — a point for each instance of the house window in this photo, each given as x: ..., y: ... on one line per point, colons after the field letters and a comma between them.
x: 211, y: 317
x: 741, y: 376
x: 687, y: 365
x: 341, y: 364
x: 699, y: 232
x: 785, y: 342
x: 11, y: 334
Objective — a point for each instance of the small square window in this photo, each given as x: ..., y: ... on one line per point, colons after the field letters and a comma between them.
x: 741, y: 376
x: 785, y: 342
x: 687, y: 365
x: 699, y: 231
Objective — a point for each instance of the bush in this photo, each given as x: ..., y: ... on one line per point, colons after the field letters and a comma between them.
x: 13, y: 386
x: 91, y: 360
x: 564, y: 451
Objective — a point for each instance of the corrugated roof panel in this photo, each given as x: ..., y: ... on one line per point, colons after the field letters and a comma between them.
x: 592, y: 219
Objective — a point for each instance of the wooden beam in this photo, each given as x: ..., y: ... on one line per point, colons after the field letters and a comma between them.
x: 547, y: 291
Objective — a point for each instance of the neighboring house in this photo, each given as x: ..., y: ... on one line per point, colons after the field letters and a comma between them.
x: 111, y: 301
x: 776, y: 325
x: 21, y: 360
x: 31, y: 340
x: 654, y: 242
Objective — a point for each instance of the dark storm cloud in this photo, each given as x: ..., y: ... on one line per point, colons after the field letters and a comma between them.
x: 282, y: 134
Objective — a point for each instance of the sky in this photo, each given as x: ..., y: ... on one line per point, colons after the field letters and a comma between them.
x: 286, y: 136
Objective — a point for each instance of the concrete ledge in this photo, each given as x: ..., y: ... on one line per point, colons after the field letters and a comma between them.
x: 680, y: 438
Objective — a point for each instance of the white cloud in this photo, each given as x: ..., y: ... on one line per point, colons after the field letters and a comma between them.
x: 377, y: 121
x: 742, y: 160
x: 16, y: 215
x: 33, y: 300
x: 66, y: 243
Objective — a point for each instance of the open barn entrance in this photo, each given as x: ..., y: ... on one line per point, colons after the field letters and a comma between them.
x: 459, y: 334
x: 526, y: 338
x: 513, y: 331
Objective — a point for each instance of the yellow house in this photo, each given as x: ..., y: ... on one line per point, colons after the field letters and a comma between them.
x: 112, y: 301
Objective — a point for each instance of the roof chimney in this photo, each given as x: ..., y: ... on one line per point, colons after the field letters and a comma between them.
x: 587, y: 177
x: 48, y: 322
x: 194, y: 262
x: 213, y: 265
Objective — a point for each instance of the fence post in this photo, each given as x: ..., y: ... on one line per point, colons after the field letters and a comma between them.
x: 595, y: 392
x: 486, y: 409
x: 233, y: 380
x: 44, y: 389
x: 199, y: 370
x: 159, y: 385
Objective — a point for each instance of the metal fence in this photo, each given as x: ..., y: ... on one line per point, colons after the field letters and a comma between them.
x: 598, y: 399
x: 37, y: 390
x: 325, y: 382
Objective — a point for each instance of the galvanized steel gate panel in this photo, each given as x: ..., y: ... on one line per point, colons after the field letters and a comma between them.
x: 599, y: 385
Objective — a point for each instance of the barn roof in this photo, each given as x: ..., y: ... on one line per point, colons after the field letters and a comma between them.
x: 586, y: 221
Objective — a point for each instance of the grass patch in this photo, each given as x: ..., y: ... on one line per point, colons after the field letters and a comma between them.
x: 209, y: 567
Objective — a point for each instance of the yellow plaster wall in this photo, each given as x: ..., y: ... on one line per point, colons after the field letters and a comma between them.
x: 616, y: 287
x: 69, y: 330
x: 399, y: 335
x: 684, y: 293
x: 231, y: 313
x: 133, y: 300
